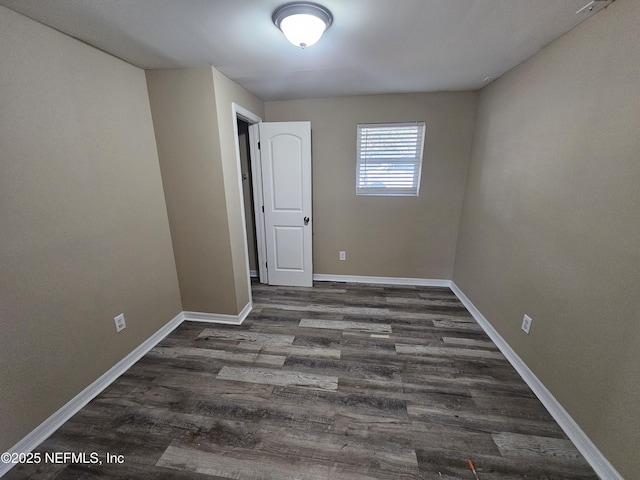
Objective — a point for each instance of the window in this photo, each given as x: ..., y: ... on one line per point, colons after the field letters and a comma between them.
x: 389, y: 158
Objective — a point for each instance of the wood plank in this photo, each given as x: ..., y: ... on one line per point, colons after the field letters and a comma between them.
x: 194, y: 460
x: 446, y: 352
x: 469, y: 342
x: 341, y: 402
x: 278, y: 377
x: 372, y: 369
x: 345, y: 325
x: 414, y: 434
x: 452, y: 465
x: 454, y: 325
x: 233, y: 357
x: 537, y: 448
x: 300, y: 351
x: 209, y: 385
x: 274, y: 448
x: 468, y: 418
x: 329, y: 309
x: 243, y: 336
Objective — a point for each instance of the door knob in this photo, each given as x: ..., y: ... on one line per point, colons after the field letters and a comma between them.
x: 306, y: 220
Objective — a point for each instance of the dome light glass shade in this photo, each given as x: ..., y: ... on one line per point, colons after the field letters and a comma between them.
x: 302, y: 30
x: 302, y: 23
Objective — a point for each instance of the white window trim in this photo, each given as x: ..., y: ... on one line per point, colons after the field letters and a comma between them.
x: 367, y: 160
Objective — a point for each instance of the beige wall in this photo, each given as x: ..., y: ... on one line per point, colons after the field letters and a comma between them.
x: 186, y: 125
x: 385, y: 236
x: 196, y: 138
x: 228, y: 92
x: 551, y: 225
x: 83, y: 224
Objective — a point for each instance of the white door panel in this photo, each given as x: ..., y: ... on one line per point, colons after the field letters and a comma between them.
x: 289, y: 243
x: 286, y: 173
x: 285, y: 150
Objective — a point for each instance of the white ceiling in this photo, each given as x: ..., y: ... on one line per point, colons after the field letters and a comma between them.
x: 373, y: 46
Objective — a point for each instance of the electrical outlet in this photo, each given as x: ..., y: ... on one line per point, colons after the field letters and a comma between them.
x: 120, y: 323
x: 343, y: 255
x: 526, y: 324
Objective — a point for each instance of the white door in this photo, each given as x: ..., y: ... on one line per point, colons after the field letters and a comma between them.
x: 285, y: 152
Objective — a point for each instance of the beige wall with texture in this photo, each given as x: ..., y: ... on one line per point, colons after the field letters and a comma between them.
x: 412, y: 237
x: 186, y: 125
x: 551, y: 226
x: 83, y: 223
x: 227, y: 93
x: 196, y: 136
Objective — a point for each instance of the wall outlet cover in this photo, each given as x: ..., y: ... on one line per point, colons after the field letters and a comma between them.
x: 121, y: 324
x: 526, y: 324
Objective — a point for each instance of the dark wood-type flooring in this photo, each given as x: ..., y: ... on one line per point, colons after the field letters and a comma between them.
x: 339, y: 381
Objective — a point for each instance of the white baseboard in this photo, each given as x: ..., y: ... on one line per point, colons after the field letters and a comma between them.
x: 585, y: 446
x: 423, y: 282
x: 219, y: 317
x: 253, y: 273
x: 55, y: 421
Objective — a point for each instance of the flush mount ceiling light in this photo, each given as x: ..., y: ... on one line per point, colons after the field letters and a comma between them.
x: 303, y: 23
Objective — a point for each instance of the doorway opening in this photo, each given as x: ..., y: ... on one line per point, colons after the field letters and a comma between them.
x: 275, y: 187
x: 247, y: 193
x: 245, y: 124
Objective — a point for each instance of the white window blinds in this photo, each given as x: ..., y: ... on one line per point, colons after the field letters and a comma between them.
x: 389, y: 158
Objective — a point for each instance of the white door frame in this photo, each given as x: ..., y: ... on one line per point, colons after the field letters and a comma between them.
x: 258, y: 202
x: 241, y: 113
